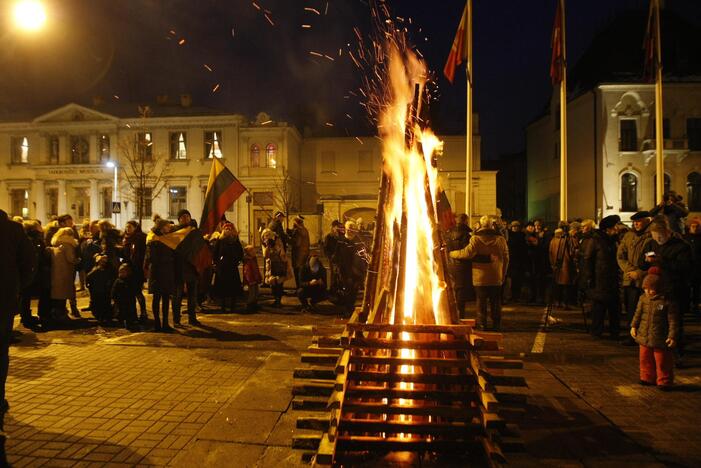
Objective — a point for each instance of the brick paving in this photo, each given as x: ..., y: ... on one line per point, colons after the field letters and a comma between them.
x: 219, y: 395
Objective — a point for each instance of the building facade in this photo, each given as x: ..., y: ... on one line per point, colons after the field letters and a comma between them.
x: 611, y: 151
x: 70, y: 160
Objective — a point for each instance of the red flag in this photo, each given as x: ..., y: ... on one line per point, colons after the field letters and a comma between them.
x: 557, y: 44
x: 444, y: 213
x: 458, y: 52
x: 652, y: 60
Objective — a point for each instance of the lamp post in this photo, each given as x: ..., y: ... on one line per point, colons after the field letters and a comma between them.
x: 115, y: 189
x: 29, y: 15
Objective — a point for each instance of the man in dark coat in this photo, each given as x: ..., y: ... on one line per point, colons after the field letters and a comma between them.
x: 16, y: 271
x: 601, y: 273
x: 276, y: 226
x: 673, y: 256
x: 631, y: 262
x: 312, y: 283
x: 461, y: 270
x: 518, y: 262
x: 330, y: 246
x: 186, y: 278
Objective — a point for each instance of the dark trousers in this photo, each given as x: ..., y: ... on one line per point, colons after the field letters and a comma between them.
x: 311, y: 294
x: 6, y: 319
x: 631, y: 296
x: 491, y: 295
x: 163, y: 302
x: 44, y: 308
x: 461, y: 300
x: 277, y: 290
x: 516, y: 284
x: 599, y: 310
x: 101, y: 308
x: 191, y: 300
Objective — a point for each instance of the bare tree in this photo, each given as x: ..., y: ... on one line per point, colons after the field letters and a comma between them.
x: 286, y: 193
x: 143, y: 171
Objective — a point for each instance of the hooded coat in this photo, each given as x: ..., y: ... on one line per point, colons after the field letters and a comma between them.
x: 490, y: 257
x: 228, y: 253
x: 64, y: 258
x: 159, y: 266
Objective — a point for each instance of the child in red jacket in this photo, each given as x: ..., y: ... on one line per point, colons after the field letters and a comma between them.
x: 251, y: 277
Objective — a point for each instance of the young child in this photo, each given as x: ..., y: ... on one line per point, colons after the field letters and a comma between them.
x: 99, y: 282
x: 124, y: 296
x: 251, y: 277
x: 655, y: 327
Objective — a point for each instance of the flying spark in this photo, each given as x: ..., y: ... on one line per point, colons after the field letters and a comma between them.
x: 312, y: 10
x: 216, y: 88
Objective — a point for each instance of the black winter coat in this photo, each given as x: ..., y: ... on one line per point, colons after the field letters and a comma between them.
x: 656, y: 319
x: 124, y: 298
x: 159, y: 264
x: 99, y: 281
x: 674, y: 258
x: 306, y: 275
x: 228, y: 253
x: 17, y: 265
x: 600, y: 268
x: 42, y: 258
x: 518, y: 251
x: 460, y: 270
x: 694, y: 241
x: 133, y: 251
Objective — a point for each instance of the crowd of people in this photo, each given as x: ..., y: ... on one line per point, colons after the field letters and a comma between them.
x: 645, y: 278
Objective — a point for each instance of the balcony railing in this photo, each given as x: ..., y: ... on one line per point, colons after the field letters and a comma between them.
x: 671, y: 144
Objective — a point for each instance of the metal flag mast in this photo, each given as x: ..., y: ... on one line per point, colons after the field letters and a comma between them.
x: 468, y: 115
x: 659, y: 135
x: 563, y: 119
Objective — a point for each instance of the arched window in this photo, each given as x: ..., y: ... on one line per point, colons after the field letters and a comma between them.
x: 693, y: 191
x: 667, y: 187
x: 271, y: 155
x: 629, y: 192
x: 255, y: 155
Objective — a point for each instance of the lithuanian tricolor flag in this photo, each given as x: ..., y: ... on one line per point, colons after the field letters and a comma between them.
x: 189, y: 243
x: 223, y: 189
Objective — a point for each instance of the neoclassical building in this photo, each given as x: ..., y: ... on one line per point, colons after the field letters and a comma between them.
x: 611, y: 151
x: 611, y: 126
x: 65, y: 161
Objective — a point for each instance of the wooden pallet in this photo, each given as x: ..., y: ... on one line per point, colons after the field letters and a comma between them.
x: 374, y: 405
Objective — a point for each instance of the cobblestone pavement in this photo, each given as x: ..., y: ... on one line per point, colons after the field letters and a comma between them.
x: 219, y: 395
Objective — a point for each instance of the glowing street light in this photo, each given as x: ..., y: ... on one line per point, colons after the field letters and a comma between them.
x: 29, y: 15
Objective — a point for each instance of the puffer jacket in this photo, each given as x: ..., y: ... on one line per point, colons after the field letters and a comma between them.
x: 655, y: 320
x: 490, y: 257
x: 630, y: 255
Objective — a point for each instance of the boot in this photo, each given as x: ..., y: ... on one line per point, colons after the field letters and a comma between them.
x: 156, y: 321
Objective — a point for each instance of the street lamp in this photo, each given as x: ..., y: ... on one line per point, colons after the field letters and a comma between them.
x: 115, y: 190
x: 29, y: 15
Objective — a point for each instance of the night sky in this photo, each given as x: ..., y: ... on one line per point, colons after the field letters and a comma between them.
x: 137, y: 49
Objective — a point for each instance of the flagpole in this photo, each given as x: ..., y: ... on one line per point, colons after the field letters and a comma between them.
x: 563, y: 122
x: 659, y: 120
x: 468, y: 116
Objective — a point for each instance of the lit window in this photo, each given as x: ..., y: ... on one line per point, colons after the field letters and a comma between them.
x: 255, y: 155
x: 178, y: 145
x: 20, y: 202
x: 145, y: 146
x: 53, y: 149
x: 212, y: 144
x: 20, y: 150
x: 143, y: 202
x: 52, y: 202
x: 271, y: 156
x: 177, y: 200
x: 104, y: 148
x: 629, y: 192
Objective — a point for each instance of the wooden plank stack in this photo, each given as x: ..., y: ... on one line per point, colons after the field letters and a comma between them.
x: 447, y: 391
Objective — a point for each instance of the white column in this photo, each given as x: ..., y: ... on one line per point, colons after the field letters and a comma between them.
x: 95, y: 201
x: 39, y: 196
x: 194, y: 198
x: 62, y: 197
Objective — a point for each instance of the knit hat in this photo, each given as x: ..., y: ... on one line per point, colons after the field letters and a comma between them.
x: 653, y: 280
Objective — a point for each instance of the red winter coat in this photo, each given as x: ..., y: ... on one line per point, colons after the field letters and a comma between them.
x: 251, y: 273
